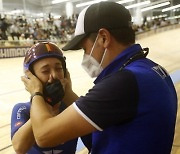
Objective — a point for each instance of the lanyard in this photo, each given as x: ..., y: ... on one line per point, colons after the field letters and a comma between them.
x: 142, y: 54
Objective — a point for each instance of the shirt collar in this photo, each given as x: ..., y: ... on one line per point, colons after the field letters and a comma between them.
x: 118, y: 62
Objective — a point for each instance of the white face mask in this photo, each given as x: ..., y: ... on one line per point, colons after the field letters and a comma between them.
x: 91, y: 65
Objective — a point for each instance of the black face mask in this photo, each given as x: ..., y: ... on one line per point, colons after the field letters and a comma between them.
x: 53, y: 92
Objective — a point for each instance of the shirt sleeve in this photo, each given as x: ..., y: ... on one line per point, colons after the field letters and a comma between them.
x: 20, y: 115
x: 110, y: 102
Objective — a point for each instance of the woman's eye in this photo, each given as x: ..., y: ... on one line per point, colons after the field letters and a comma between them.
x: 59, y: 68
x: 45, y: 72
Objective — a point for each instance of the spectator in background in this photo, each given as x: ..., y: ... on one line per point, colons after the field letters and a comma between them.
x: 14, y: 31
x: 4, y: 26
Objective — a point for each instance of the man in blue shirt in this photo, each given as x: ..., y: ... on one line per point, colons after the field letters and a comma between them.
x: 132, y: 107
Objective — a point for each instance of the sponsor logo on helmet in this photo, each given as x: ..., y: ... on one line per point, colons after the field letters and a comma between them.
x: 48, y: 47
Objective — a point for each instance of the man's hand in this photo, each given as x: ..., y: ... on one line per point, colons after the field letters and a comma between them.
x: 32, y: 83
x: 69, y: 96
x: 68, y: 83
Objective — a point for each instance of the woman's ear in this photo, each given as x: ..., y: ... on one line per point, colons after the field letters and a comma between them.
x: 106, y: 37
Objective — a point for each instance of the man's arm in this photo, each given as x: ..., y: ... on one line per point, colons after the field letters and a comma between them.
x: 48, y: 130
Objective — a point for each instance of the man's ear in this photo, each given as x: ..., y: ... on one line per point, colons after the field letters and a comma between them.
x: 106, y: 37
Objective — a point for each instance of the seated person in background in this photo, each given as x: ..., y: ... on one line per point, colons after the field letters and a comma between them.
x: 46, y: 61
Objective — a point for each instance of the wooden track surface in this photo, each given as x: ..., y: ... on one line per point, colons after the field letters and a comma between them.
x: 164, y: 49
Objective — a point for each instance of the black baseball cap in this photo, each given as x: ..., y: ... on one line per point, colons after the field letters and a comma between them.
x: 109, y: 15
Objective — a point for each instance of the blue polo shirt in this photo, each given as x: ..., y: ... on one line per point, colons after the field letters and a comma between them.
x: 133, y: 109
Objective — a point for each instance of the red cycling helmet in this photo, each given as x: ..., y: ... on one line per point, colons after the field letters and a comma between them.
x: 43, y: 50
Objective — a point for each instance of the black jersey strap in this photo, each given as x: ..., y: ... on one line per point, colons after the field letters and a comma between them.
x: 142, y: 54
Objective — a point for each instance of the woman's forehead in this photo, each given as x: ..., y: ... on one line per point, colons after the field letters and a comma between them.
x: 48, y: 61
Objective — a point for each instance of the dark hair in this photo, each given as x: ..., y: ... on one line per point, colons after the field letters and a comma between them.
x: 125, y: 36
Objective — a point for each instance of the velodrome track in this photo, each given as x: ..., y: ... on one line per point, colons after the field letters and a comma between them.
x: 164, y: 49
